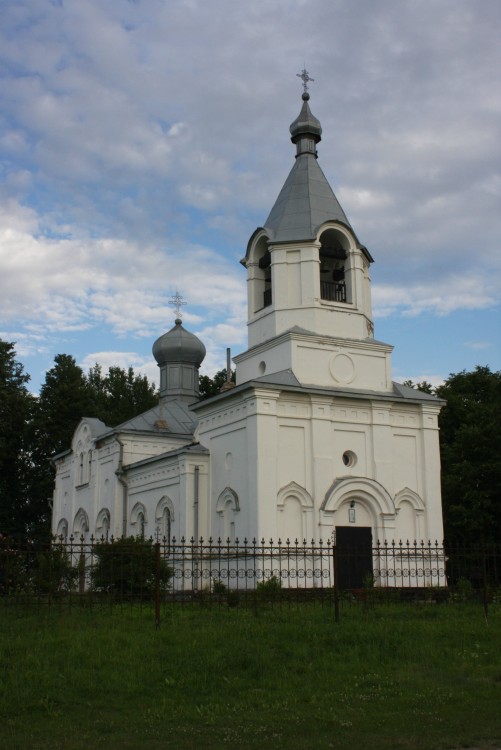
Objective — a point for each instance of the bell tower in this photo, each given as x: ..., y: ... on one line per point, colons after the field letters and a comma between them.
x: 308, y: 281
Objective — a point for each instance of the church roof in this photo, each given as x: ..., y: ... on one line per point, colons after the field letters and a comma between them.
x: 306, y: 200
x: 286, y: 380
x: 168, y: 417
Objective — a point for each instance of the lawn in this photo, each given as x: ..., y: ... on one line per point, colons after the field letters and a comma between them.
x: 391, y: 676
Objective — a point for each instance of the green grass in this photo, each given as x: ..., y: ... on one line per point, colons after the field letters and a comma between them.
x: 389, y: 677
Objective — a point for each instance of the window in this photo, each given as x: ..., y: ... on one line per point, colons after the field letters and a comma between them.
x: 81, y: 469
x: 265, y: 266
x: 166, y: 525
x: 334, y: 281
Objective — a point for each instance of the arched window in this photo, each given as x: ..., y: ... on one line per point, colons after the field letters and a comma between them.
x: 89, y: 465
x: 139, y: 519
x: 260, y: 270
x: 164, y: 518
x: 265, y: 266
x: 103, y: 524
x: 80, y: 523
x: 335, y: 283
x: 140, y: 524
x: 81, y: 469
x: 166, y: 525
x: 62, y: 530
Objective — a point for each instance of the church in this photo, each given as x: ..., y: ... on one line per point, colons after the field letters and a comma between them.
x: 313, y: 440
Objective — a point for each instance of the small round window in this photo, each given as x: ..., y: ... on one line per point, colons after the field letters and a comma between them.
x: 349, y: 458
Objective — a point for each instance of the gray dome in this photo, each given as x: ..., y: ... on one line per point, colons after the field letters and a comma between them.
x: 306, y: 124
x: 179, y: 345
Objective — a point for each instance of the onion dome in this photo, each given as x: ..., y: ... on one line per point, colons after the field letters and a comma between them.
x: 179, y: 354
x: 306, y: 128
x: 179, y: 345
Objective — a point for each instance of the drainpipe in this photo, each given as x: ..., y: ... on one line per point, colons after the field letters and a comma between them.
x: 121, y: 478
x: 195, y: 504
x: 195, y: 524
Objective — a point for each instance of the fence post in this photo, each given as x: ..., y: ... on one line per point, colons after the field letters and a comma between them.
x: 157, y: 584
x: 336, y: 582
x: 485, y: 596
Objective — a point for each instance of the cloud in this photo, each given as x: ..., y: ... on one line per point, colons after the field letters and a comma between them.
x: 141, y: 147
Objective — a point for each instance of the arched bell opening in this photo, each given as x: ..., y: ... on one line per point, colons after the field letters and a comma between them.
x: 335, y: 277
x: 262, y: 275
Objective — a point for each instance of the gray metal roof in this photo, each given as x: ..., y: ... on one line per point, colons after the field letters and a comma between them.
x: 305, y: 202
x: 193, y: 448
x: 168, y: 417
x: 287, y: 381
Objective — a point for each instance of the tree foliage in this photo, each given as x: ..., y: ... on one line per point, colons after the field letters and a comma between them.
x: 470, y: 451
x: 15, y: 416
x: 33, y: 430
x: 212, y: 386
x: 470, y: 438
x: 120, y: 394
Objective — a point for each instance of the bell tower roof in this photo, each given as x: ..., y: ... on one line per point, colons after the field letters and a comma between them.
x: 306, y: 200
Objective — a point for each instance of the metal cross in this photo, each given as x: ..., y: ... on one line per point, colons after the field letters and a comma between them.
x: 177, y: 302
x: 305, y: 77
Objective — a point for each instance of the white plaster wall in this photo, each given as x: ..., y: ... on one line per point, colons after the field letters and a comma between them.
x: 315, y: 360
x: 287, y: 439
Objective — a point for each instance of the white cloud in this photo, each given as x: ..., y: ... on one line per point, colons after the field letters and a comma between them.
x: 143, y: 146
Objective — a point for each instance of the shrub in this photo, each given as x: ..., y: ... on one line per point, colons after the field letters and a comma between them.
x: 54, y: 571
x: 270, y: 589
x: 128, y: 568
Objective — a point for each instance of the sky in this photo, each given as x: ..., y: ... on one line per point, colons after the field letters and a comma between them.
x: 143, y: 141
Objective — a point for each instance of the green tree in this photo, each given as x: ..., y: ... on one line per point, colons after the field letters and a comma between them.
x: 120, y: 394
x: 65, y: 397
x: 212, y: 386
x: 15, y: 412
x: 424, y: 386
x: 470, y: 441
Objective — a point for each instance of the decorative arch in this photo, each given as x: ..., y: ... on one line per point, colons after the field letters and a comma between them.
x: 336, y: 267
x: 367, y: 491
x: 81, y: 522
x: 226, y: 507
x: 294, y: 513
x: 296, y: 491
x: 164, y: 518
x: 227, y: 499
x: 259, y: 269
x: 409, y: 496
x: 136, y: 512
x: 411, y: 522
x: 164, y: 503
x: 62, y: 529
x: 103, y: 523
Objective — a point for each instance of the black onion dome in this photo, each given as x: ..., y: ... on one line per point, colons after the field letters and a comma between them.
x: 179, y: 345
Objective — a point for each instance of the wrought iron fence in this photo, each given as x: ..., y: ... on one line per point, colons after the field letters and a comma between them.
x: 159, y: 572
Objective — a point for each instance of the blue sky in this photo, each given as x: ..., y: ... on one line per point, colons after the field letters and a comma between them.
x: 142, y: 143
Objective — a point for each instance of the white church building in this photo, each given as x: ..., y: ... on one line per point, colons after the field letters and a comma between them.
x: 314, y: 437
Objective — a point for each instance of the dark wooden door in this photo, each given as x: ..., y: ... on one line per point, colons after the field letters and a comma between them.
x: 354, y: 556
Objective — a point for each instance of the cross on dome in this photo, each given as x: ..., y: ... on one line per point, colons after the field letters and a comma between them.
x: 305, y: 77
x: 177, y: 302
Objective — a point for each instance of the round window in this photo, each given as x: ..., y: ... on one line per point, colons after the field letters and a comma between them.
x: 349, y: 458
